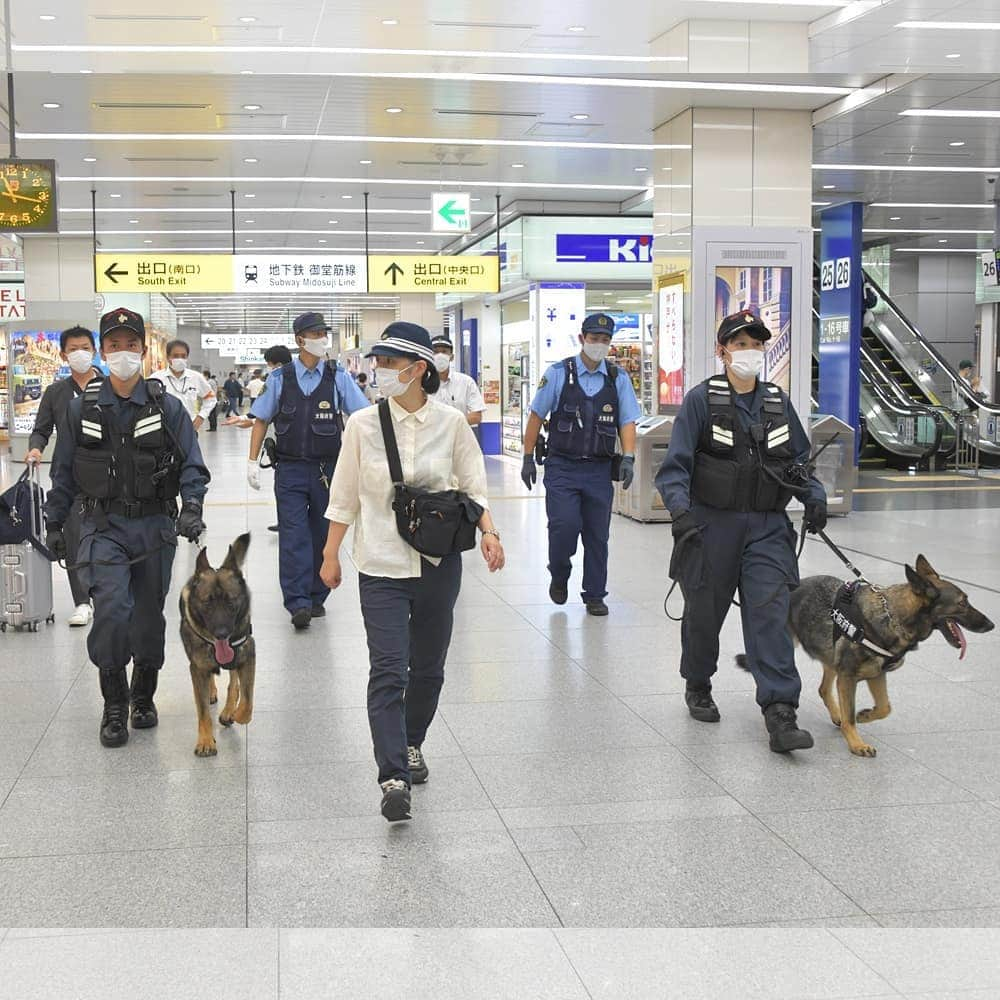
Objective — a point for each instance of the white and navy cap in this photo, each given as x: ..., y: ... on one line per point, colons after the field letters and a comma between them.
x: 404, y: 340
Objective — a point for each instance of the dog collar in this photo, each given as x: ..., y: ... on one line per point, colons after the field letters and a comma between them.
x: 233, y: 643
x: 849, y: 622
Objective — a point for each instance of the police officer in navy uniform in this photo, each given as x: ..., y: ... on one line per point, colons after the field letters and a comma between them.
x: 737, y: 455
x: 131, y: 448
x: 592, y: 404
x: 306, y: 400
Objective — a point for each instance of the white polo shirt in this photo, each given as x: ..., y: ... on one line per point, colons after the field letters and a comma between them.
x: 461, y: 392
x: 189, y: 388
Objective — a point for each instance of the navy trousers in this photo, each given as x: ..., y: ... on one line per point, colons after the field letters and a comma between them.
x: 128, y: 600
x: 578, y: 498
x: 408, y: 623
x: 302, y: 495
x: 755, y: 554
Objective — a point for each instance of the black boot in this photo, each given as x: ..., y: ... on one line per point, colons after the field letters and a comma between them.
x: 784, y: 728
x: 114, y: 721
x: 701, y: 705
x: 143, y: 688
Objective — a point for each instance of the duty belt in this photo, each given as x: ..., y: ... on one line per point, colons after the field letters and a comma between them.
x: 131, y: 508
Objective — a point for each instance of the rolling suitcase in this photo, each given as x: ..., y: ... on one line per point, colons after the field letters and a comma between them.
x: 25, y: 573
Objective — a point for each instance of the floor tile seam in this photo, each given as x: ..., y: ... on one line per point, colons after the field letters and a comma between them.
x: 832, y: 931
x: 951, y: 803
x: 942, y: 909
x: 822, y: 875
x: 531, y: 625
x: 576, y: 972
x: 30, y: 757
x: 507, y: 829
x: 723, y: 794
x: 137, y: 773
x: 133, y: 850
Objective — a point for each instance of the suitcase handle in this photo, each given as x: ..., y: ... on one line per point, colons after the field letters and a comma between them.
x: 21, y: 589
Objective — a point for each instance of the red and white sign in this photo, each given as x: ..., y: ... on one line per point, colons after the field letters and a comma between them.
x: 12, y: 301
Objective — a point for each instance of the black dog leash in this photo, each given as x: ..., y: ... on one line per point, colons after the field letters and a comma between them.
x: 113, y: 562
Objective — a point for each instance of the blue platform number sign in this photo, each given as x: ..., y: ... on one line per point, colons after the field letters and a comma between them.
x: 840, y: 296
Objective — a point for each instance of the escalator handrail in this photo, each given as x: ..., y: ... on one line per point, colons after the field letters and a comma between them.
x: 915, y: 410
x: 953, y: 376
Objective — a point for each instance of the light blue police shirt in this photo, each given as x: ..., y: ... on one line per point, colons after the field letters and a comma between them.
x: 591, y: 382
x: 266, y: 404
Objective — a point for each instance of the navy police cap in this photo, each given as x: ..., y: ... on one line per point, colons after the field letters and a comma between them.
x: 309, y: 321
x: 123, y: 319
x: 741, y: 321
x: 598, y: 323
x: 404, y: 340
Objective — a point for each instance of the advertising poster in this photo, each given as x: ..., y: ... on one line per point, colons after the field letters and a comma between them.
x: 766, y: 291
x: 34, y: 365
x: 670, y: 324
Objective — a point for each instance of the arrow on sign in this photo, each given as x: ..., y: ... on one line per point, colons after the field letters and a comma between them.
x: 450, y: 213
x: 112, y: 275
x: 395, y: 271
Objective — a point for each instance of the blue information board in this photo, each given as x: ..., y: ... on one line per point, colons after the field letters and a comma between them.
x: 840, y: 311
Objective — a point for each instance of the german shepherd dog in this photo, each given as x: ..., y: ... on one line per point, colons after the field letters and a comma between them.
x: 909, y: 613
x: 216, y: 632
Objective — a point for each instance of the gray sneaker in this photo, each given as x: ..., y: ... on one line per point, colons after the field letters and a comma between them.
x: 395, y: 800
x: 418, y: 766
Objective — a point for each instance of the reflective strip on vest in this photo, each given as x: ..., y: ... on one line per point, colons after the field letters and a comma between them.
x: 722, y: 436
x: 778, y: 437
x: 150, y: 425
x: 91, y: 430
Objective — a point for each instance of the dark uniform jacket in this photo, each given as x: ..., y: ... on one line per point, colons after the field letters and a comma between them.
x: 53, y: 410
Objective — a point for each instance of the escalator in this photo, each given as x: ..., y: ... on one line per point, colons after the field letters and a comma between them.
x: 924, y: 377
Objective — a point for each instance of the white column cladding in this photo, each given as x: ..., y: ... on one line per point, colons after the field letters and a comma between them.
x: 706, y: 46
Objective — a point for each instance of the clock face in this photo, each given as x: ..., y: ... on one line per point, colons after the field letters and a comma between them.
x: 28, y: 196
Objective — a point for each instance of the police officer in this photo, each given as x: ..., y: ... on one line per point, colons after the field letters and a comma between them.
x: 131, y: 448
x: 307, y: 400
x: 592, y: 404
x: 457, y: 389
x: 736, y: 448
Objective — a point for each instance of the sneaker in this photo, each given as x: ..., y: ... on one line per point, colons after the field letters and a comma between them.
x: 783, y: 728
x: 302, y: 618
x: 272, y: 527
x: 81, y: 616
x: 395, y: 800
x: 418, y: 766
x: 701, y: 705
x: 558, y: 592
x: 597, y: 608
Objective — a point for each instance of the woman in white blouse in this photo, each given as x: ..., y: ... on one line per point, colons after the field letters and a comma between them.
x: 407, y: 599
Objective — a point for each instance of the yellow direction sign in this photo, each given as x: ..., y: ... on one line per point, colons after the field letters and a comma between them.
x: 409, y: 273
x: 163, y: 272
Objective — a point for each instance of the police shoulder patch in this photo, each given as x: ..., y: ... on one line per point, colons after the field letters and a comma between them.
x: 543, y: 382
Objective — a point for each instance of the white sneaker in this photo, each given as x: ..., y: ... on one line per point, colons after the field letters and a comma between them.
x: 81, y: 616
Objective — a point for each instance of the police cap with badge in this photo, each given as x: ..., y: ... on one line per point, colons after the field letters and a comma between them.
x: 598, y: 323
x: 309, y: 321
x: 740, y: 322
x: 123, y: 319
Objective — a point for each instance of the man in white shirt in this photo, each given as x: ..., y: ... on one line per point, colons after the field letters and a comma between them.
x: 255, y: 386
x: 457, y: 389
x: 187, y: 385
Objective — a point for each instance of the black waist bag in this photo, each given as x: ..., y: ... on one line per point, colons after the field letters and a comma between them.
x: 435, y: 524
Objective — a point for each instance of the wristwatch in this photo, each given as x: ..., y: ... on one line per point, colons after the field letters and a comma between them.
x: 494, y: 532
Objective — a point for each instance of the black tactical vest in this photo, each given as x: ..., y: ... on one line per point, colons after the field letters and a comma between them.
x: 583, y: 426
x: 730, y: 463
x: 309, y: 427
x: 137, y: 465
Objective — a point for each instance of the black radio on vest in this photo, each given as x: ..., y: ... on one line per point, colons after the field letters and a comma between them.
x: 743, y: 470
x: 583, y: 426
x: 309, y: 427
x: 139, y: 467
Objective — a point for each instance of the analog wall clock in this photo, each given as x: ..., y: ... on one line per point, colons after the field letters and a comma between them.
x: 28, y: 196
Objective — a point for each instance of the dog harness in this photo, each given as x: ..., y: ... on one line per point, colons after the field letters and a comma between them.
x: 849, y: 622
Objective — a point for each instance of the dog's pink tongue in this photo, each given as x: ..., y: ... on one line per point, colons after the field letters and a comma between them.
x: 223, y: 652
x: 960, y: 635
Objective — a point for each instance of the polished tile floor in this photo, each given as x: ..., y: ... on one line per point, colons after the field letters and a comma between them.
x: 569, y: 788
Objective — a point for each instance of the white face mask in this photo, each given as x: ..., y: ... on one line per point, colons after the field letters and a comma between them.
x: 746, y: 364
x: 178, y: 364
x: 124, y: 364
x: 596, y: 352
x: 389, y: 382
x: 80, y: 361
x: 318, y: 346
x: 442, y: 362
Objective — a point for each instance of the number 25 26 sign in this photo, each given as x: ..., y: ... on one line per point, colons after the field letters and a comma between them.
x: 835, y: 274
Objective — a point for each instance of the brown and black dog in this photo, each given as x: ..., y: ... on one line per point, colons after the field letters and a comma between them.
x: 909, y: 613
x: 216, y: 632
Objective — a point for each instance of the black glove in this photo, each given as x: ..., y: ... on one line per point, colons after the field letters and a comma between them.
x: 627, y: 471
x: 815, y: 516
x: 189, y: 523
x: 682, y: 524
x: 529, y: 474
x: 55, y: 541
